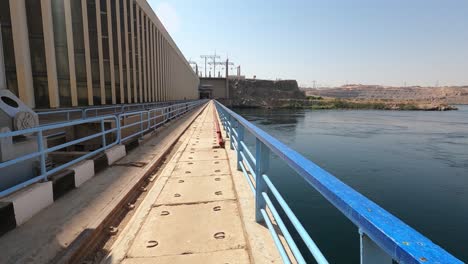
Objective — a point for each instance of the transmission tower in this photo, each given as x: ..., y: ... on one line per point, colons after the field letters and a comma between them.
x: 226, y: 63
x: 212, y: 57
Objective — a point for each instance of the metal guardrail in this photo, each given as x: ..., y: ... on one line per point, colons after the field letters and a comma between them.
x: 383, y: 237
x: 148, y: 119
x: 87, y: 112
x: 42, y: 150
x: 151, y: 119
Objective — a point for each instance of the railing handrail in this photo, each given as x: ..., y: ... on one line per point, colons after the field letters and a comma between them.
x: 42, y: 151
x: 401, y: 242
x: 85, y: 110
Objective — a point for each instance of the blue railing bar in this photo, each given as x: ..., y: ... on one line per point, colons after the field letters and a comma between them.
x: 56, y: 112
x: 234, y: 139
x: 44, y: 172
x: 252, y: 158
x: 247, y: 176
x: 276, y: 239
x: 21, y: 185
x: 83, y: 139
x: 148, y: 119
x: 19, y: 159
x: 234, y: 145
x: 234, y: 131
x: 313, y: 248
x: 252, y: 171
x: 38, y: 153
x: 287, y: 236
x: 387, y: 231
x: 55, y: 126
x: 56, y: 134
x: 40, y: 146
x: 179, y: 109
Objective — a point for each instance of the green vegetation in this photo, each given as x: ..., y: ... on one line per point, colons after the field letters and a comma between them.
x: 345, y: 104
x: 311, y: 97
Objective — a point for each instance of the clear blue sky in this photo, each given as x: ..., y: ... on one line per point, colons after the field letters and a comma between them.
x: 387, y: 42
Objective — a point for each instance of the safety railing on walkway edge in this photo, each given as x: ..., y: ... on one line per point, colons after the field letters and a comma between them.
x: 383, y: 237
x: 43, y: 150
x: 95, y: 111
x: 152, y: 119
x: 168, y: 113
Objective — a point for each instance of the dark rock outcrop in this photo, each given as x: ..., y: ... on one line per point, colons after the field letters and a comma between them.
x: 265, y: 93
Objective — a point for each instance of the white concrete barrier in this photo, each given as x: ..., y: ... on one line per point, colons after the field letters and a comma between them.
x: 31, y: 200
x: 115, y: 153
x: 83, y: 172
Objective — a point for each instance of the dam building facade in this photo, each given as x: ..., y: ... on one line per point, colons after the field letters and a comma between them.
x: 70, y: 53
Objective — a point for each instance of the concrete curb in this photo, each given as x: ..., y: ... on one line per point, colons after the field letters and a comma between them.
x: 24, y: 204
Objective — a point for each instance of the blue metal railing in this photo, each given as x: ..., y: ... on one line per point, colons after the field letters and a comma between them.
x: 384, y: 238
x: 42, y: 150
x: 149, y: 120
x: 64, y: 115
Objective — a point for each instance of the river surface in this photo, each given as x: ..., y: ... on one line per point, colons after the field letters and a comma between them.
x: 413, y: 164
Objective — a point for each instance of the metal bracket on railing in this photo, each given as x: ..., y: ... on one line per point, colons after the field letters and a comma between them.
x: 371, y: 253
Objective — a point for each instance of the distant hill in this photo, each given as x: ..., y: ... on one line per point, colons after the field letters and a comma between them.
x: 448, y: 95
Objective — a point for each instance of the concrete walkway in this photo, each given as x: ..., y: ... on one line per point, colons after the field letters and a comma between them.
x: 50, y: 233
x: 193, y: 213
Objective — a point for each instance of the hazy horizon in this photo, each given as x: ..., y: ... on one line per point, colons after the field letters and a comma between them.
x: 332, y: 42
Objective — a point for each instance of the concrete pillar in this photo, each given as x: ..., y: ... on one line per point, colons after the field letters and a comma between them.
x: 100, y: 52
x: 71, y: 52
x: 22, y: 53
x: 89, y: 76
x: 119, y: 47
x: 111, y: 50
x: 166, y: 71
x: 148, y: 59
x: 140, y: 54
x: 127, y: 52
x: 132, y: 23
x: 151, y: 47
x: 155, y: 75
x: 3, y: 84
x: 158, y: 60
x: 49, y: 46
x: 144, y: 56
x: 163, y: 58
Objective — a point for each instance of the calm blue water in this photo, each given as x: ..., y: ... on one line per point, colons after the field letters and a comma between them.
x: 413, y: 164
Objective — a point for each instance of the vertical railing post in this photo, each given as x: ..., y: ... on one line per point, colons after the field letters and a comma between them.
x: 262, y: 156
x: 141, y: 124
x: 233, y: 135
x: 103, y: 130
x: 40, y: 146
x: 371, y: 252
x: 240, y: 148
x: 148, y: 119
x: 229, y: 126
